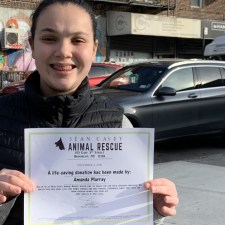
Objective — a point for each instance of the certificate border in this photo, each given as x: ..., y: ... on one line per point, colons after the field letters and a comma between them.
x: 149, y: 172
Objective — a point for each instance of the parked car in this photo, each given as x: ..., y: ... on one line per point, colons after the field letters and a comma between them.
x: 179, y: 98
x: 98, y: 72
x: 13, y: 87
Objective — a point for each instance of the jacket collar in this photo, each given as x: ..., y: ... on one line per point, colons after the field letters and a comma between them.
x: 65, y: 106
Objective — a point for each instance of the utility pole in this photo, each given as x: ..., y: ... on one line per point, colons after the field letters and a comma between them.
x: 168, y: 7
x: 204, y: 33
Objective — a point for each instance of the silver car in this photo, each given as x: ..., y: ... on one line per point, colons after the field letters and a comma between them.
x: 179, y: 98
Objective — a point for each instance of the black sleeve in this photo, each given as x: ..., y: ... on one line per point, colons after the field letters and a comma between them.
x: 5, y: 209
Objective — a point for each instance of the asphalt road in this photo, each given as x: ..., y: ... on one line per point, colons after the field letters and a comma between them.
x: 198, y: 169
x: 204, y: 151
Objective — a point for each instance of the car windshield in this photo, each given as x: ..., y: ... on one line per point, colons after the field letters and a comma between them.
x: 96, y: 71
x: 134, y: 78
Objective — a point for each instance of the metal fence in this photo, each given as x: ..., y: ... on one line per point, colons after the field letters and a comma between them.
x: 7, y: 77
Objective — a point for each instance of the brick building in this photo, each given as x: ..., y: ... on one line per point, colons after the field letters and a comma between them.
x: 171, y: 28
x: 128, y: 30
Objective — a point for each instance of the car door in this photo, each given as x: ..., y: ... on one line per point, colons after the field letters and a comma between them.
x: 177, y: 116
x: 212, y: 90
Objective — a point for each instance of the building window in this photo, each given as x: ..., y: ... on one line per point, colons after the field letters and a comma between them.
x: 197, y: 3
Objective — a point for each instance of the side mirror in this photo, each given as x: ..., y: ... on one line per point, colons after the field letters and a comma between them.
x: 165, y: 91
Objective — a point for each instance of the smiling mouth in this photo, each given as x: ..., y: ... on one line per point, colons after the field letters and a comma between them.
x: 62, y: 68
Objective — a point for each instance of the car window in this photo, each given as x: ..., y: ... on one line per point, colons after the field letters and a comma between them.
x: 210, y: 77
x: 97, y: 71
x: 223, y: 75
x: 135, y: 78
x: 180, y: 80
x: 110, y: 69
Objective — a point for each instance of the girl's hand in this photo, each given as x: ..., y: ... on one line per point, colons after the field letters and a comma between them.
x: 165, y: 197
x: 12, y: 183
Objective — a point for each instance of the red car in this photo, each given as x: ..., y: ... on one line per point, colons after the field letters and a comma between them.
x: 98, y: 72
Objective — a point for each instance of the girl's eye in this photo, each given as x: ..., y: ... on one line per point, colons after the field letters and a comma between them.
x: 48, y: 39
x: 78, y: 41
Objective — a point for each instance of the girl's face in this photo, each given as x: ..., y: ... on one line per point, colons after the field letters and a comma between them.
x: 63, y: 48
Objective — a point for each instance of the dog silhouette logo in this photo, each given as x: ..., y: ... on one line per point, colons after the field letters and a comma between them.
x: 60, y: 144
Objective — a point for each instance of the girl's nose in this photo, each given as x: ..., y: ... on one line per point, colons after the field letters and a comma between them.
x: 63, y: 49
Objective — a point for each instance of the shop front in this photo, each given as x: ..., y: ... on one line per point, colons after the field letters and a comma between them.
x: 133, y: 37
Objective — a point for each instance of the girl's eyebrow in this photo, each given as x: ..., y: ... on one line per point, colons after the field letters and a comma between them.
x: 54, y: 31
x: 47, y: 30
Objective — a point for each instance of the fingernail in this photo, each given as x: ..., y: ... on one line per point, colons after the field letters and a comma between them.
x: 18, y: 190
x: 31, y: 189
x: 2, y: 199
x: 147, y: 185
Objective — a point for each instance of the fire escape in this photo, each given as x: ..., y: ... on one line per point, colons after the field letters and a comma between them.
x: 162, y: 4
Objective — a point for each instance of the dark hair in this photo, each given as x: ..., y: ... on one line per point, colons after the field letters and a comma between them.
x: 45, y: 3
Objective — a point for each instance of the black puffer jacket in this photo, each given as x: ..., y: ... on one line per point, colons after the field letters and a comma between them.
x: 31, y: 110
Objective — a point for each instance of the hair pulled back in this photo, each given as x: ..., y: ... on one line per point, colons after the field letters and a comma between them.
x: 46, y: 3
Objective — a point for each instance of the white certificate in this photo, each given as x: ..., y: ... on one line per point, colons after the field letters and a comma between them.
x: 89, y: 176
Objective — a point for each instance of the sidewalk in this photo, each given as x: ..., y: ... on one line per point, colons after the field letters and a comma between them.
x: 201, y: 190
